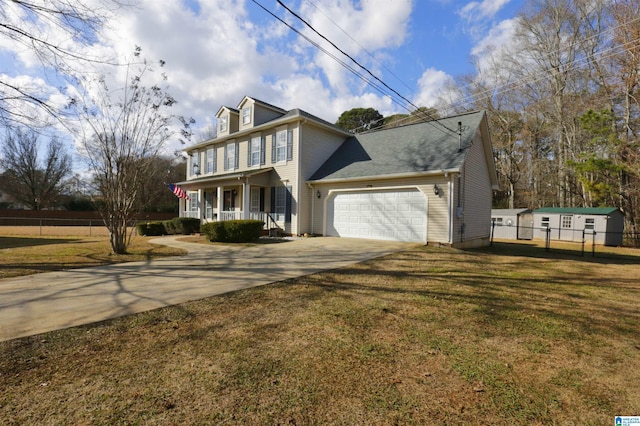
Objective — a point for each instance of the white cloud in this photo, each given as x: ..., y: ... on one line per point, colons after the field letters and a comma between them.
x: 356, y: 27
x: 482, y: 10
x: 492, y: 54
x: 215, y: 54
x: 433, y: 86
x: 478, y: 15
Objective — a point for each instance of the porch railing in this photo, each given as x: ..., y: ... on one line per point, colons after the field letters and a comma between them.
x: 270, y: 219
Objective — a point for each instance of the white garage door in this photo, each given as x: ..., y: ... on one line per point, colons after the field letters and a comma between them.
x: 399, y: 215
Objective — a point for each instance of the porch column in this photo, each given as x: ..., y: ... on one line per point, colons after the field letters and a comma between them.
x: 200, y: 204
x: 246, y: 200
x: 220, y: 202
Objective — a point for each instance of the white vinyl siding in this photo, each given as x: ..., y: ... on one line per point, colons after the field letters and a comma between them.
x: 474, y: 221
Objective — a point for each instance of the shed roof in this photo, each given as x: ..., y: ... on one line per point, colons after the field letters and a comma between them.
x: 415, y: 148
x: 577, y: 210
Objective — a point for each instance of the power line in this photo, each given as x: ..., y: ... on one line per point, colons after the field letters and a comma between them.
x: 364, y: 68
x: 359, y: 45
x: 573, y: 65
x: 331, y: 55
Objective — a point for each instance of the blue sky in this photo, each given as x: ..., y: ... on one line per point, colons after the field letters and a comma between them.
x: 218, y: 51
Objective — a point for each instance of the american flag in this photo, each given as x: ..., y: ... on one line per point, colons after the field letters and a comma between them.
x: 180, y: 193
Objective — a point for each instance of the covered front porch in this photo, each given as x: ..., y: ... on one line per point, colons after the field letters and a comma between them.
x: 234, y: 196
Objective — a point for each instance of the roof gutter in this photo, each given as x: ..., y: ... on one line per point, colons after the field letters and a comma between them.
x: 238, y: 176
x: 394, y: 176
x: 267, y: 125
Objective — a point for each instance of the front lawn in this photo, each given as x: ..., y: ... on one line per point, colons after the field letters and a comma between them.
x: 509, y: 334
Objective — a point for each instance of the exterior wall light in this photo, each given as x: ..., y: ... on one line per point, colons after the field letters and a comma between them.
x: 318, y: 194
x: 436, y: 190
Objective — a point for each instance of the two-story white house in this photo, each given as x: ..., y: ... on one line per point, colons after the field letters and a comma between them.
x: 426, y: 182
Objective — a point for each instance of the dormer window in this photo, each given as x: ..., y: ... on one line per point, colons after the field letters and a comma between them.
x: 223, y: 123
x: 246, y: 115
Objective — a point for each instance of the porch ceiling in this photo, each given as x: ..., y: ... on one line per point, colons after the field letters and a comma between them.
x: 234, y: 176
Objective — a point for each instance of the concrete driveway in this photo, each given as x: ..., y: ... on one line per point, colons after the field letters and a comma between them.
x: 54, y: 300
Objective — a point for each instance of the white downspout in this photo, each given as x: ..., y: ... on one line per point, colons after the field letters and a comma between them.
x: 451, y: 215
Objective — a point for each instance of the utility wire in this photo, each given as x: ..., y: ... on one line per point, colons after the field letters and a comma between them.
x: 331, y: 55
x: 365, y: 68
x: 572, y: 66
x: 534, y: 78
x: 359, y: 45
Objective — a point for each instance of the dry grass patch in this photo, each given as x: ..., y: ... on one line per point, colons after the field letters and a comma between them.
x: 504, y: 335
x: 24, y: 255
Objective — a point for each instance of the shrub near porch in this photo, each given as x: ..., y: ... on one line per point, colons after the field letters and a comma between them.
x: 233, y: 231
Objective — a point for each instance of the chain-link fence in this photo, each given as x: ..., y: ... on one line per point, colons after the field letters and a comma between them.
x: 61, y: 223
x: 585, y: 242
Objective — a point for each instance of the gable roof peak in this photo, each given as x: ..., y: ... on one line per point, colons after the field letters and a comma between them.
x: 261, y: 103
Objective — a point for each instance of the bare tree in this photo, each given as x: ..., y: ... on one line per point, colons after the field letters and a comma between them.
x: 30, y: 181
x: 122, y: 138
x: 549, y: 33
x: 627, y: 60
x: 58, y: 34
x: 154, y: 195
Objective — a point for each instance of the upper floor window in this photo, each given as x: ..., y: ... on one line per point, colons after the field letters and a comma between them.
x: 194, y: 166
x: 223, y: 123
x: 256, y: 151
x: 231, y: 156
x: 211, y: 161
x: 282, y: 146
x: 246, y: 115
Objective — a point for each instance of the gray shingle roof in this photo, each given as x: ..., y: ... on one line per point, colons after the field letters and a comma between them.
x: 415, y: 148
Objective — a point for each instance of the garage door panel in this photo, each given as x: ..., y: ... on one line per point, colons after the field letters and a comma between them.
x: 389, y: 215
